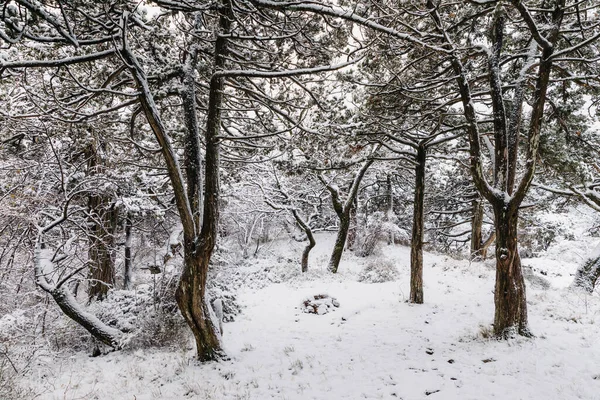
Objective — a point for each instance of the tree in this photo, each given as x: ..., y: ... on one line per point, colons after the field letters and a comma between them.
x: 138, y: 79
x: 299, y: 199
x: 343, y: 209
x: 409, y: 129
x: 103, y: 222
x: 485, y: 68
x: 199, y: 239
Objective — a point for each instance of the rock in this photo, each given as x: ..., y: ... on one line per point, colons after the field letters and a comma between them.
x: 319, y: 304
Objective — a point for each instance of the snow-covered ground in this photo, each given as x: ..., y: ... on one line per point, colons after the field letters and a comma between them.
x: 374, y: 346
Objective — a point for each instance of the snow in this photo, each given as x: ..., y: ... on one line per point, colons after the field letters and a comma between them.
x: 374, y: 346
x: 560, y: 262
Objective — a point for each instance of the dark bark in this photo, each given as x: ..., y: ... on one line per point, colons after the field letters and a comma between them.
x: 340, y: 242
x: 509, y: 296
x: 416, y: 247
x: 306, y: 253
x: 128, y: 255
x: 506, y: 195
x: 352, y: 229
x: 194, y: 304
x: 193, y: 160
x: 191, y: 292
x: 342, y: 209
x: 103, y: 218
x: 199, y: 242
x: 309, y: 235
x: 476, y: 227
x: 390, y: 207
x: 102, y: 247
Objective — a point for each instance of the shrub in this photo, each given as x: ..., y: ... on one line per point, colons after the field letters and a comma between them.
x: 379, y: 271
x: 376, y: 232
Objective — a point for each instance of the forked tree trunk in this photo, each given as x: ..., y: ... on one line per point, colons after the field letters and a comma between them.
x: 416, y: 246
x: 309, y: 235
x: 509, y: 296
x: 198, y: 248
x: 199, y: 241
x: 194, y: 304
x: 476, y: 228
x: 343, y: 210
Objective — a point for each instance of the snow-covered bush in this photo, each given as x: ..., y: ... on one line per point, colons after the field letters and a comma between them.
x: 222, y: 290
x: 538, y: 238
x: 537, y: 233
x: 378, y: 271
x: 149, y: 313
x: 14, y: 363
x: 588, y: 273
x: 376, y: 232
x: 534, y: 280
x: 19, y: 350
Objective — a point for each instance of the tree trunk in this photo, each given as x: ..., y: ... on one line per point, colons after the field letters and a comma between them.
x: 199, y: 242
x: 198, y: 249
x: 352, y: 229
x: 128, y: 256
x: 340, y: 242
x: 99, y: 330
x: 509, y: 297
x: 309, y: 235
x: 389, y: 213
x: 194, y: 304
x: 476, y: 227
x: 104, y: 218
x: 306, y: 252
x: 416, y: 247
x: 343, y: 210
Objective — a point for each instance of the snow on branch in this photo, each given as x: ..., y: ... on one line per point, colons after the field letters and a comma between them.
x: 43, y: 264
x: 38, y: 9
x: 535, y: 30
x: 160, y: 132
x: 284, y: 73
x: 348, y: 15
x: 58, y: 63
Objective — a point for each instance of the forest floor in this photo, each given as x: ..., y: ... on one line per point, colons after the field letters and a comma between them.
x: 373, y: 346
